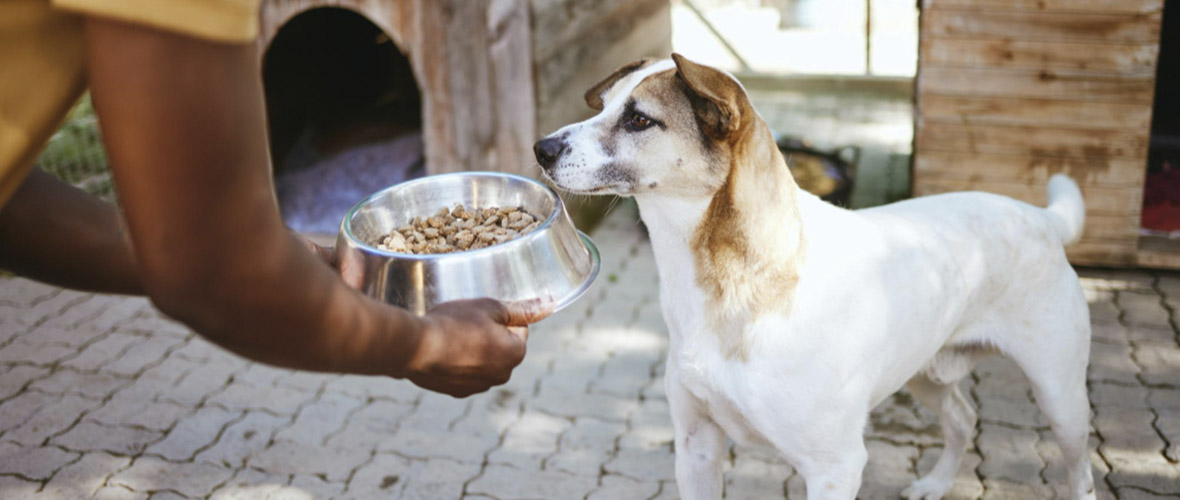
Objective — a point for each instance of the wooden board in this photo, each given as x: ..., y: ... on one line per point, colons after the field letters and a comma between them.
x: 1158, y: 252
x: 1044, y: 26
x: 996, y: 110
x: 1031, y: 140
x: 1103, y: 6
x: 1103, y: 253
x: 1117, y: 59
x: 1031, y: 170
x: 1036, y: 84
x: 1100, y: 200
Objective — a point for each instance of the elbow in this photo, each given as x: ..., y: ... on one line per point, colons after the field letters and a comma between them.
x: 196, y: 299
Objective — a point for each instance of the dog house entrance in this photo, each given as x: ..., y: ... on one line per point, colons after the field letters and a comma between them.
x: 1161, y: 196
x: 344, y: 113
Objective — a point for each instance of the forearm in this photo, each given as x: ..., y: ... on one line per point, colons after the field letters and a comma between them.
x: 53, y: 232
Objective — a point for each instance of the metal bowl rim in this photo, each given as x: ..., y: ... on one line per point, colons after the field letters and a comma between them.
x: 596, y: 261
x: 346, y: 224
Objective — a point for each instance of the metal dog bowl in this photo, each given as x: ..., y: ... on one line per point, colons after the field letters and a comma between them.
x: 555, y: 263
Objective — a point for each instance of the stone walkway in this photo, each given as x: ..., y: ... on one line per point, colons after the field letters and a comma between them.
x: 101, y: 397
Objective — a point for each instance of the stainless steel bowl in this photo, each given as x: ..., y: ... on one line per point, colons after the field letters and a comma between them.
x: 555, y: 263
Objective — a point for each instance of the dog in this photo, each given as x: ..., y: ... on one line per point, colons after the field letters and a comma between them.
x: 790, y: 318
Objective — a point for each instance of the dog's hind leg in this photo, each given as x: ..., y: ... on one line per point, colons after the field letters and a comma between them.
x: 1058, y: 376
x: 958, y: 424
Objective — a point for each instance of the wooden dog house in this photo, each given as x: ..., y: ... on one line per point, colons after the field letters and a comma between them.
x: 495, y: 74
x: 1011, y: 91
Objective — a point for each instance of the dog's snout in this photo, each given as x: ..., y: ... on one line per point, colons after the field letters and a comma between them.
x: 548, y: 150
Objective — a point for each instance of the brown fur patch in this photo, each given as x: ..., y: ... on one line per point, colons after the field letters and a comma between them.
x: 749, y: 245
x: 593, y: 95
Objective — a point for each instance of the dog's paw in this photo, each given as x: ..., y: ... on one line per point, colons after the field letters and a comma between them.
x: 926, y: 488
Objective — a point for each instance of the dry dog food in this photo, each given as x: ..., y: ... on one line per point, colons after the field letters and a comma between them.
x: 459, y: 229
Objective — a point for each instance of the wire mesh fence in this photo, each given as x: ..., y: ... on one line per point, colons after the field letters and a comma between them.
x: 75, y: 153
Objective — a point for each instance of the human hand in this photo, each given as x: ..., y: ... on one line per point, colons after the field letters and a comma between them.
x: 469, y: 346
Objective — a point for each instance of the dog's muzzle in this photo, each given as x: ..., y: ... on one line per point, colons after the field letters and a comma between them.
x: 548, y: 150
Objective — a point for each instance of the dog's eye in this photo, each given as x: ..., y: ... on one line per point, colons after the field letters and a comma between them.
x: 638, y: 122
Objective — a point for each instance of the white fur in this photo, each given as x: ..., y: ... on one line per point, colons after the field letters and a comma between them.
x: 909, y: 294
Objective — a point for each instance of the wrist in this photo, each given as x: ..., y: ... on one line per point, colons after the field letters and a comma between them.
x: 411, y: 342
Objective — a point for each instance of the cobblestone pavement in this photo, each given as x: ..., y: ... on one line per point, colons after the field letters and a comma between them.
x: 101, y: 397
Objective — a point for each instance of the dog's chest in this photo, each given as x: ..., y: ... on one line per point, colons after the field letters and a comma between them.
x: 720, y: 391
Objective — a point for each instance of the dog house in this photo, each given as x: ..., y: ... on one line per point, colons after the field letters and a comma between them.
x: 479, y: 80
x: 1010, y: 92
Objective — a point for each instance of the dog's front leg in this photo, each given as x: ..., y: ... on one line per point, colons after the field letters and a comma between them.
x: 700, y: 444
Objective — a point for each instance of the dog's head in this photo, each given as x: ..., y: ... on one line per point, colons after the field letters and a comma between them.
x: 668, y: 126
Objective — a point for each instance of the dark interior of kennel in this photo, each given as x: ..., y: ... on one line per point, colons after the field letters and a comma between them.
x: 1161, y: 200
x: 344, y: 113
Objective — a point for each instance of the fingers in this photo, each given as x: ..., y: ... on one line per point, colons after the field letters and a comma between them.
x: 526, y: 312
x: 520, y: 331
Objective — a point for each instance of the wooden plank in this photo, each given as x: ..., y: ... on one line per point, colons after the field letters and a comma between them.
x: 1102, y: 253
x: 1026, y: 169
x: 1044, y: 26
x: 936, y: 108
x: 1099, y: 200
x: 1105, y: 6
x: 1118, y: 59
x: 1158, y: 252
x: 1035, y: 84
x: 1033, y: 141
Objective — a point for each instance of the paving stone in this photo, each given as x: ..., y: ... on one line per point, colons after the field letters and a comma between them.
x: 147, y: 414
x: 1168, y: 424
x: 1161, y: 364
x: 1005, y: 489
x: 81, y: 323
x: 54, y: 304
x: 85, y: 477
x: 1127, y: 429
x: 89, y: 436
x: 102, y: 351
x: 317, y: 487
x: 901, y: 419
x: 51, y: 419
x: 16, y: 411
x: 502, y: 481
x: 643, y: 464
x: 189, y: 479
x: 623, y: 488
x: 16, y: 378
x: 890, y: 469
x: 15, y: 488
x: 1142, y: 335
x: 1138, y: 494
x: 277, y: 400
x: 372, y: 425
x: 118, y: 493
x: 89, y: 385
x: 391, y: 476
x: 1103, y: 312
x: 592, y: 433
x: 1112, y: 363
x: 460, y: 447
x: 492, y: 412
x: 600, y: 406
x: 193, y: 433
x: 154, y: 323
x: 21, y: 293
x: 967, y: 484
x: 1121, y: 396
x: 142, y: 354
x: 167, y: 495
x: 651, y: 427
x: 23, y: 352
x: 242, y: 439
x: 197, y: 385
x: 580, y: 461
x: 625, y: 374
x: 288, y: 457
x: 436, y: 412
x: 753, y: 476
x: 1009, y: 454
x: 252, y: 484
x: 1143, y: 309
x: 530, y: 440
x: 33, y: 462
x: 320, y: 420
x: 365, y: 387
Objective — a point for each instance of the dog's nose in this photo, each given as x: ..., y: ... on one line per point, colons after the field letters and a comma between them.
x: 548, y: 150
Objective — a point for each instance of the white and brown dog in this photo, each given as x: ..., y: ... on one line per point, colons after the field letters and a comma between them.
x: 791, y: 318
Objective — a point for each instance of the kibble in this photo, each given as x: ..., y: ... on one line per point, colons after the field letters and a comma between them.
x: 459, y: 229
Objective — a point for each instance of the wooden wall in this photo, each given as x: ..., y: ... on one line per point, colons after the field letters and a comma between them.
x: 1012, y: 91
x: 473, y: 63
x: 577, y: 43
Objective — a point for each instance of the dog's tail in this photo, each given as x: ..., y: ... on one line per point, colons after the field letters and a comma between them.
x: 1067, y: 207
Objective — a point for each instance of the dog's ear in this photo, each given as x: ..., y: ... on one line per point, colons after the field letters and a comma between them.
x: 594, y: 95
x: 715, y: 96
